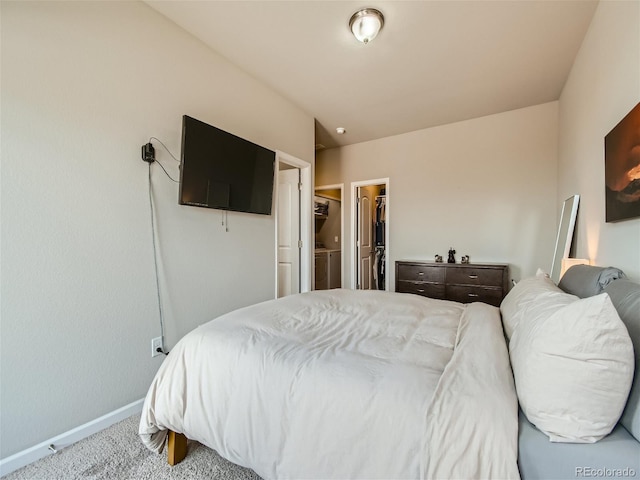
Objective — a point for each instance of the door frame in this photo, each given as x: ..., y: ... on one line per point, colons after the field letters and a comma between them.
x: 336, y: 186
x: 306, y: 212
x: 353, y: 247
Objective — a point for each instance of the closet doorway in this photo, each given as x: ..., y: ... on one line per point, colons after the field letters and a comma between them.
x: 370, y: 234
x: 329, y: 246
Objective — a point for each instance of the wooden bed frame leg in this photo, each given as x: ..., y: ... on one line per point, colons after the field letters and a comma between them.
x: 176, y: 448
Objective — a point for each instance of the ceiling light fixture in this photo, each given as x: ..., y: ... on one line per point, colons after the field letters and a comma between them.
x: 341, y: 130
x: 366, y: 23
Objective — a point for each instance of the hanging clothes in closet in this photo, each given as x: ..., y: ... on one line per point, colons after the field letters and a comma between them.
x: 379, y: 238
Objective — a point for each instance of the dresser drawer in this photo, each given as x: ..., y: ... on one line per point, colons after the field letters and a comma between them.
x: 475, y: 276
x: 468, y: 294
x: 420, y: 273
x: 433, y: 290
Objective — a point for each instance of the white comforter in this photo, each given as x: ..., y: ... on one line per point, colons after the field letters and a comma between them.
x: 345, y: 384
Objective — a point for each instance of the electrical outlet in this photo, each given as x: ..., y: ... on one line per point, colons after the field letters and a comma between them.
x: 155, y: 344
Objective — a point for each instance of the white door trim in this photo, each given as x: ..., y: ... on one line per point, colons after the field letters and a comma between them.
x: 353, y: 247
x: 338, y: 186
x: 306, y: 212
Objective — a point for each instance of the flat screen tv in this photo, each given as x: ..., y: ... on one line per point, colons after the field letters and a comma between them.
x: 223, y: 171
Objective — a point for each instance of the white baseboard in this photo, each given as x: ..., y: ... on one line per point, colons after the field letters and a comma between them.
x: 30, y: 455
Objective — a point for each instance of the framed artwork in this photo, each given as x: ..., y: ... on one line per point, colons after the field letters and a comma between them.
x: 622, y: 168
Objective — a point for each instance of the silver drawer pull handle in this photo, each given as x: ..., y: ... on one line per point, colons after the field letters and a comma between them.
x: 420, y: 273
x: 474, y: 295
x: 473, y: 276
x: 421, y: 290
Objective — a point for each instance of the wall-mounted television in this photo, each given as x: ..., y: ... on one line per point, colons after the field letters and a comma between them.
x: 223, y: 171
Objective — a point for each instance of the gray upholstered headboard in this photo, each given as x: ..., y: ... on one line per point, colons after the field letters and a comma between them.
x: 584, y: 281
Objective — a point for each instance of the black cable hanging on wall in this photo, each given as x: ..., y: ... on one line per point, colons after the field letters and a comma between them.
x: 148, y: 155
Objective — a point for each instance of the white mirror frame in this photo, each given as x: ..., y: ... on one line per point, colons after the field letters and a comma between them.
x: 565, y: 235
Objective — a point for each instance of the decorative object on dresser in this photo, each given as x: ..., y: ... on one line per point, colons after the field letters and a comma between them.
x: 438, y: 258
x: 452, y: 258
x: 464, y: 259
x: 466, y: 283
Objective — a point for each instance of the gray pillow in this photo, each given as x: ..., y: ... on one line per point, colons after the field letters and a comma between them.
x: 586, y: 280
x: 625, y: 296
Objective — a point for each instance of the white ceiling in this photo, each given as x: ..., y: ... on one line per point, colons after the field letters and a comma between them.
x: 434, y: 62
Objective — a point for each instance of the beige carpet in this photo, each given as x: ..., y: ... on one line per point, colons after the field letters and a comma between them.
x: 118, y: 453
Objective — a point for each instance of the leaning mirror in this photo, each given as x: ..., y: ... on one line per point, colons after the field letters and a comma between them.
x: 565, y: 235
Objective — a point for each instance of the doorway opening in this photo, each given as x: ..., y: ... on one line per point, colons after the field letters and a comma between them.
x: 329, y: 220
x: 370, y: 234
x: 293, y: 230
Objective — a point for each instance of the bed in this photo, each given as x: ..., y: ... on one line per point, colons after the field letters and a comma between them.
x: 364, y: 384
x: 344, y: 384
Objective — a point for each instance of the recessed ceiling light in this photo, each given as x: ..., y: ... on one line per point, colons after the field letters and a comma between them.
x: 341, y: 130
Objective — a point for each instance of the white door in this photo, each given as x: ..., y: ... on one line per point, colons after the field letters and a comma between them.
x: 364, y: 240
x: 288, y: 232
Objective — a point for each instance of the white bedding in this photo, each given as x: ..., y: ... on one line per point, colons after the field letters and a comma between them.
x: 345, y: 384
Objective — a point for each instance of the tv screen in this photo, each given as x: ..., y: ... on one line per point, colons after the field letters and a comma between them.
x: 221, y: 170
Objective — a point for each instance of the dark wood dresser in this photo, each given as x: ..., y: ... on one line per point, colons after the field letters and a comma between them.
x: 466, y: 283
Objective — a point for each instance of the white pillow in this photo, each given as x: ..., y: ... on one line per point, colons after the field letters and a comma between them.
x: 573, y: 368
x: 533, y: 290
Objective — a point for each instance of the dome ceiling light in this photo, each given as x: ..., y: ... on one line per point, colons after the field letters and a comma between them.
x: 366, y: 23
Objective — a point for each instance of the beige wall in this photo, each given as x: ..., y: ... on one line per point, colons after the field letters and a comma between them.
x: 604, y: 85
x: 84, y: 85
x: 486, y: 187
